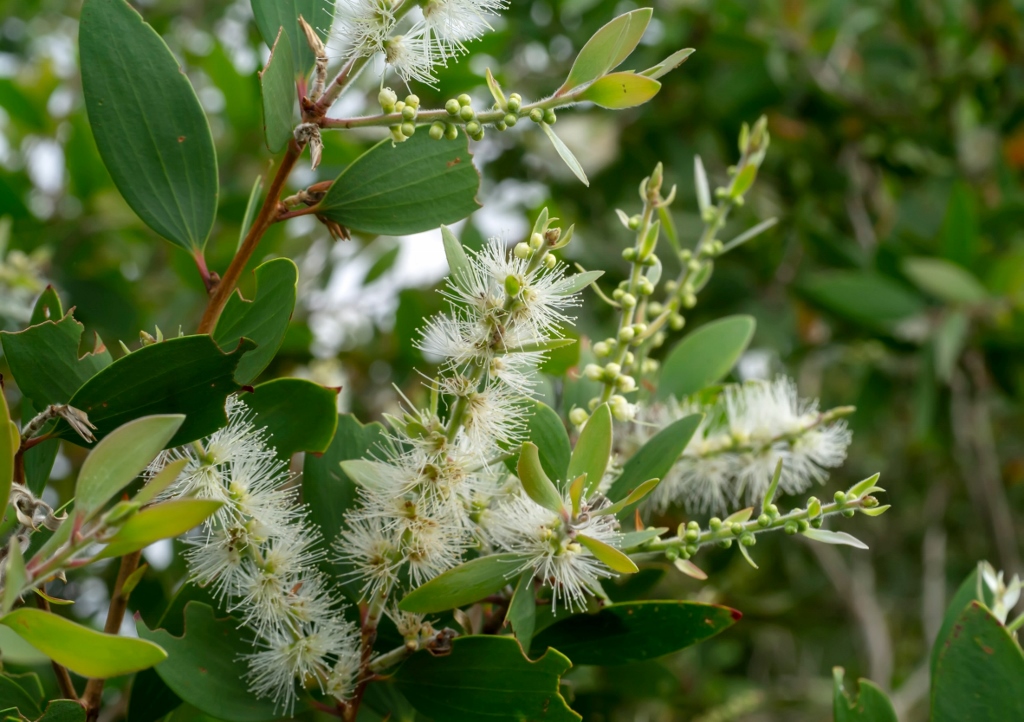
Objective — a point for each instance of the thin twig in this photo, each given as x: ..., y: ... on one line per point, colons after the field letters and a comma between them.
x: 268, y: 213
x: 67, y: 687
x: 115, y: 615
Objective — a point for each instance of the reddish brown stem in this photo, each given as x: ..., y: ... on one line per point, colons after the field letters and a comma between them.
x: 115, y: 615
x: 268, y: 213
x: 368, y: 637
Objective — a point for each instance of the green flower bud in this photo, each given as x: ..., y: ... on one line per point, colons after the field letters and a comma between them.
x: 736, y: 528
x: 409, y: 112
x: 413, y: 100
x: 408, y: 129
x: 465, y: 100
x: 634, y: 222
x: 396, y: 133
x: 772, y: 509
x: 671, y: 286
x: 452, y: 106
x: 617, y: 294
x: 848, y: 512
x: 816, y: 523
x: 649, y: 366
x: 725, y: 544
x: 671, y: 554
x: 387, y: 98
x: 655, y: 308
x: 646, y: 287
x: 550, y: 261
x: 764, y: 520
x: 578, y: 417
x: 537, y: 115
x: 473, y: 128
x: 622, y: 410
x: 593, y: 372
x: 437, y: 130
x: 748, y: 540
x: 451, y: 131
x: 629, y: 254
x: 512, y: 285
x: 601, y: 349
x: 466, y: 112
x: 658, y: 340
x: 692, y: 535
x: 803, y: 525
x: 791, y: 527
x: 693, y: 265
x: 676, y: 322
x: 626, y: 384
x: 522, y: 250
x: 714, y: 523
x: 626, y: 334
x: 840, y: 497
x: 628, y: 300
x: 536, y: 241
x: 511, y: 119
x: 399, y: 106
x: 612, y: 369
x: 500, y: 125
x: 549, y: 116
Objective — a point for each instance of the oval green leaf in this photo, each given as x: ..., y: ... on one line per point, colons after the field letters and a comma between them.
x: 9, y: 443
x: 298, y: 415
x: 621, y: 90
x: 264, y: 320
x: 544, y: 428
x: 655, y: 458
x: 607, y: 48
x: 864, y: 297
x: 705, y: 356
x: 162, y: 521
x: 535, y: 482
x: 399, y: 188
x: 979, y: 671
x: 149, y: 126
x: 565, y: 154
x: 522, y: 610
x: 609, y: 555
x: 465, y: 584
x: 486, y: 678
x: 272, y: 15
x: 119, y: 458
x: 277, y: 88
x: 83, y: 651
x: 593, y: 449
x: 634, y: 631
x: 945, y: 280
x: 870, y: 704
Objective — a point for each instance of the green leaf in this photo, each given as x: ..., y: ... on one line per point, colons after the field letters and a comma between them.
x: 669, y: 64
x: 10, y: 441
x: 945, y: 280
x: 83, y: 651
x: 535, y: 482
x: 206, y: 666
x: 264, y: 320
x: 161, y: 521
x: 864, y: 297
x: 15, y: 574
x: 160, y: 481
x: 384, y: 262
x: 949, y: 341
x: 635, y: 631
x: 826, y: 536
x: 328, y: 491
x: 44, y: 360
x: 959, y: 236
x: 621, y: 90
x: 299, y: 415
x: 119, y: 458
x: 486, y: 678
x: 656, y: 457
x: 978, y: 674
x: 459, y: 268
x: 870, y: 704
x: 63, y: 710
x: 965, y: 594
x: 277, y: 88
x: 252, y: 207
x: 580, y: 281
x: 705, y: 356
x: 465, y: 584
x: 635, y: 496
x: 187, y: 375
x: 609, y: 555
x: 23, y: 692
x: 39, y: 458
x: 593, y: 448
x: 607, y: 48
x: 522, y: 610
x: 565, y: 154
x: 545, y: 429
x: 47, y: 307
x: 149, y: 126
x: 396, y: 189
x: 272, y: 15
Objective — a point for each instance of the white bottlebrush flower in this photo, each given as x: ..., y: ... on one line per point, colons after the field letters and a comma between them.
x: 451, y: 23
x: 494, y: 419
x: 734, y: 452
x: 411, y: 56
x: 549, y: 546
x: 362, y: 27
x: 372, y: 552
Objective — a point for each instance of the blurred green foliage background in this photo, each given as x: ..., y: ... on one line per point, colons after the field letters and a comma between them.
x: 897, y: 134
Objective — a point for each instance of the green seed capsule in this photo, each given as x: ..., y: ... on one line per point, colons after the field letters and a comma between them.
x: 473, y: 128
x: 451, y: 131
x: 409, y: 112
x: 466, y: 112
x: 408, y: 129
x: 511, y: 119
x: 453, y: 107
x: 537, y: 115
x: 413, y: 100
x: 549, y: 116
x: 464, y: 100
x: 387, y: 98
x: 515, y: 102
x: 437, y: 130
x: 500, y: 125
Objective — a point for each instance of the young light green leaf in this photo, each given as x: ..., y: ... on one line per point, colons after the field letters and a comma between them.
x: 769, y: 493
x: 83, y: 651
x: 565, y: 154
x: 634, y: 539
x: 495, y: 88
x: 161, y: 521
x: 252, y: 207
x: 864, y: 487
x: 593, y: 448
x: 609, y: 555
x: 876, y: 511
x: 700, y: 179
x: 580, y: 281
x: 522, y: 610
x: 739, y: 517
x: 119, y: 458
x: 148, y: 124
x: 690, y: 569
x: 9, y: 443
x: 277, y: 87
x: 743, y: 180
x: 945, y: 280
x: 749, y: 234
x: 411, y: 187
x: 669, y: 64
x: 576, y: 493
x: 15, y: 575
x: 705, y: 356
x: 668, y: 224
x: 458, y: 262
x: 607, y: 48
x: 746, y: 555
x: 465, y: 584
x: 634, y: 496
x: 549, y: 345
x: 535, y: 482
x: 834, y: 537
x: 621, y: 90
x: 364, y: 472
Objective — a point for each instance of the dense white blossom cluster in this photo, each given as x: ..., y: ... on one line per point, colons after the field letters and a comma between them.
x: 413, y: 40
x: 745, y: 432
x: 440, y: 487
x: 258, y: 555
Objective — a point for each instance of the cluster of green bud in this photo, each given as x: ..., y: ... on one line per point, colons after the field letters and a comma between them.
x: 462, y: 109
x: 537, y: 115
x: 610, y: 373
x: 409, y: 109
